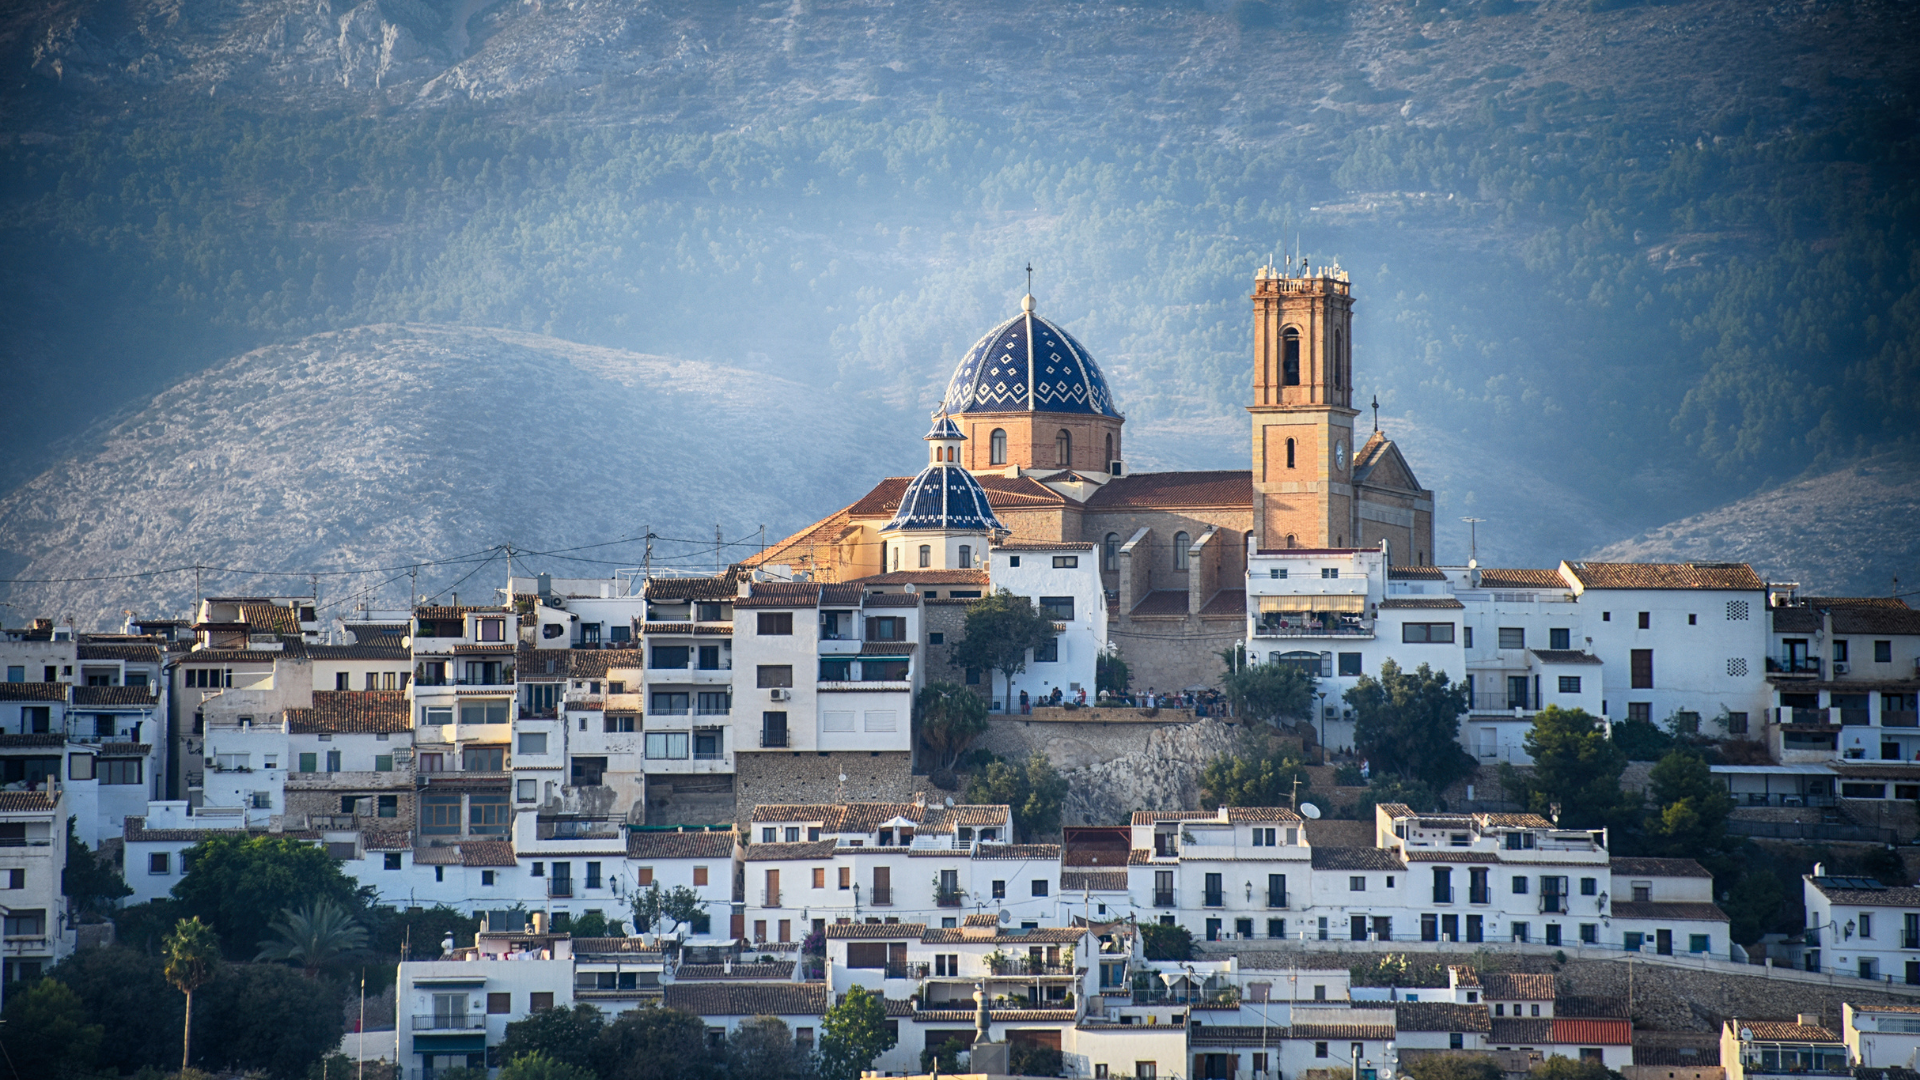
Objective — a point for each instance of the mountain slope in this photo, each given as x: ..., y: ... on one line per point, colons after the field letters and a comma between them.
x: 387, y: 444
x: 1842, y: 533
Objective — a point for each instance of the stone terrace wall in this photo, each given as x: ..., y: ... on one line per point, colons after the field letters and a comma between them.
x: 815, y: 778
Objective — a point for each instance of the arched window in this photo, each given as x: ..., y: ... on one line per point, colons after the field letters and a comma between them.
x: 1181, y: 542
x: 896, y: 556
x: 1063, y: 448
x: 926, y: 556
x: 1289, y: 453
x: 1312, y: 663
x: 1290, y: 357
x: 997, y: 446
x: 1112, y: 551
x: 1109, y: 450
x: 1337, y: 365
x: 1290, y: 542
x: 966, y: 556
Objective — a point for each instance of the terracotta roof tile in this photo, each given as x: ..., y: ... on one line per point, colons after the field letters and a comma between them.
x: 1355, y: 858
x: 595, y: 663
x: 439, y: 612
x: 1522, y: 986
x: 1072, y: 881
x: 115, y: 695
x: 23, y: 802
x: 1522, y: 579
x: 386, y: 840
x: 271, y: 617
x: 1642, y: 909
x: 806, y: 849
x: 378, y: 649
x: 487, y: 853
x: 779, y: 594
x: 1210, y: 488
x: 1261, y: 813
x: 142, y: 653
x: 1416, y: 573
x: 708, y: 844
x: 1872, y: 619
x: 924, y: 577
x: 891, y: 600
x: 1044, y: 935
x: 1785, y: 1031
x: 1162, y: 602
x: 875, y: 931
x: 47, y: 738
x: 343, y: 712
x: 1516, y: 821
x: 1017, y: 851
x: 1596, y: 575
x: 33, y: 691
x: 748, y: 999
x: 531, y: 665
x: 1441, y: 1016
x: 1342, y: 1032
x: 723, y: 587
x: 703, y: 972
x: 1530, y: 1031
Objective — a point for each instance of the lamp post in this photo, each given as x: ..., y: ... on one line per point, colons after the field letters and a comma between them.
x: 1322, y: 716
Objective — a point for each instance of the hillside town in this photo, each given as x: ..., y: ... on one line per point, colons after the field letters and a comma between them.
x: 1429, y: 832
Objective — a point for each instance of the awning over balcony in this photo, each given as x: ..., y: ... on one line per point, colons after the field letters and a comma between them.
x: 1356, y: 604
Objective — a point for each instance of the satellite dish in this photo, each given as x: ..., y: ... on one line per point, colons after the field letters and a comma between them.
x: 843, y: 778
x: 1005, y: 916
x: 1746, y: 1034
x: 949, y: 802
x: 1310, y: 811
x: 406, y: 642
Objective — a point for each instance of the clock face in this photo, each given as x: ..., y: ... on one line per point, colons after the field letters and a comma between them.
x: 1340, y: 456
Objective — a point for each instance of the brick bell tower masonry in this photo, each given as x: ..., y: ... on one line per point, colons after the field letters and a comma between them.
x: 1314, y: 485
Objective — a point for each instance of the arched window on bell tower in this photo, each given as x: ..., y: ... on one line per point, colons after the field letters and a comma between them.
x: 1290, y: 357
x: 1063, y: 448
x: 1338, y: 362
x: 1289, y: 453
x: 1109, y: 461
x: 997, y: 446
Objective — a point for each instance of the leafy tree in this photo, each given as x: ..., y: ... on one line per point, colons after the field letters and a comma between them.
x: 145, y: 926
x: 1270, y: 691
x: 679, y: 906
x: 1254, y: 777
x: 764, y: 1047
x: 130, y: 986
x: 1028, y: 1059
x: 92, y: 885
x: 1159, y: 941
x: 419, y: 931
x: 951, y: 718
x: 852, y: 1034
x: 1565, y: 1068
x: 341, y: 1067
x: 1454, y: 1067
x: 1000, y: 632
x: 241, y: 884
x: 567, y: 1036
x: 1111, y: 675
x: 1885, y: 865
x: 1641, y: 740
x: 595, y: 924
x: 191, y: 954
x: 654, y: 1044
x: 1034, y: 790
x: 269, y: 1018
x: 1393, y: 789
x: 1753, y: 905
x: 541, y: 1067
x: 945, y: 1057
x: 1576, y: 765
x: 1690, y: 816
x: 47, y: 1033
x: 1408, y: 724
x: 313, y: 936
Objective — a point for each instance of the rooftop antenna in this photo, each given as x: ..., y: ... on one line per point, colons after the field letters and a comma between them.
x: 1473, y: 538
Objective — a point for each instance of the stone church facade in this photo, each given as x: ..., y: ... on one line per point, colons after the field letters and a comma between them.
x: 1045, y: 439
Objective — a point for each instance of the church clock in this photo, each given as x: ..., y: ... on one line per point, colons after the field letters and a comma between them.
x: 1340, y: 456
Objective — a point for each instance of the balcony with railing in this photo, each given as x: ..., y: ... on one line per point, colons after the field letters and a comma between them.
x: 1276, y: 898
x: 881, y: 896
x: 1026, y: 965
x: 1213, y: 898
x: 560, y: 887
x: 1899, y: 718
x: 1553, y: 903
x: 1480, y: 895
x: 1793, y: 665
x: 461, y: 1021
x: 948, y: 897
x: 1443, y: 894
x: 773, y: 740
x: 1163, y: 898
x: 769, y: 898
x: 1305, y: 625
x: 1500, y: 702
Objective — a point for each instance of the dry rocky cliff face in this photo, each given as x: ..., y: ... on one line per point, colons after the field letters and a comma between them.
x: 384, y: 445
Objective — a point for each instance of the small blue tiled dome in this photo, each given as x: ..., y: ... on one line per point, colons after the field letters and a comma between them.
x: 945, y: 496
x: 1028, y: 351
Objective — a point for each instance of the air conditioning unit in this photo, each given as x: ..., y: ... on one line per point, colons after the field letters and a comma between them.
x: 1839, y: 667
x: 782, y: 695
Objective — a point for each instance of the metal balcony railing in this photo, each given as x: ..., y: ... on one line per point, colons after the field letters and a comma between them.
x: 881, y: 896
x: 1027, y: 965
x: 773, y: 740
x: 1162, y: 899
x: 449, y: 1021
x: 1553, y: 903
x: 1213, y: 899
x: 1443, y: 894
x: 1479, y: 896
x: 1276, y: 898
x: 560, y: 887
x: 1793, y: 665
x: 944, y: 898
x: 770, y: 898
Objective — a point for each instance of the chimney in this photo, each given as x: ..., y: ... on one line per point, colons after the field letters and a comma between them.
x: 1809, y: 1019
x: 544, y: 584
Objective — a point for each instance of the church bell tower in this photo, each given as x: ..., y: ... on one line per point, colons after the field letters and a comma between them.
x: 1303, y: 447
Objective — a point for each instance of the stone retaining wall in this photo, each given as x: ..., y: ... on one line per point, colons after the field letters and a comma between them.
x: 763, y: 779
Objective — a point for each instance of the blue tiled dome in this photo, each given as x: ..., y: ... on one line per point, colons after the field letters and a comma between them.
x: 945, y: 496
x: 1024, y: 351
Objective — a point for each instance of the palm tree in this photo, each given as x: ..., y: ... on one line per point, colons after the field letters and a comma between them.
x: 313, y: 936
x: 191, y: 951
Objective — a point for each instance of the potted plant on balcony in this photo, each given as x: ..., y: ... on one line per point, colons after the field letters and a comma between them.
x: 996, y: 961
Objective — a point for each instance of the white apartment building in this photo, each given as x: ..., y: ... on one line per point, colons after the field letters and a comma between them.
x: 1063, y: 581
x: 1881, y: 1036
x: 33, y: 908
x: 1862, y: 928
x: 1235, y: 873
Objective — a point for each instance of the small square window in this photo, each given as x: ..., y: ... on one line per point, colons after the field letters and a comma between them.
x: 160, y: 862
x: 486, y: 877
x: 999, y: 890
x: 1646, y: 620
x: 393, y: 860
x: 1357, y: 883
x: 499, y: 1004
x: 1039, y: 886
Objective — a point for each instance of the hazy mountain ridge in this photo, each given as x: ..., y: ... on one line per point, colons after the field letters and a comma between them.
x: 386, y: 444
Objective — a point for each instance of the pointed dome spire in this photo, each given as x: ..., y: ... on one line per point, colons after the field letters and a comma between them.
x: 945, y: 495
